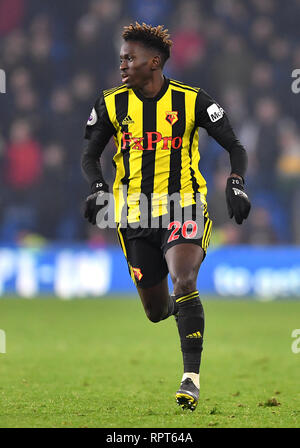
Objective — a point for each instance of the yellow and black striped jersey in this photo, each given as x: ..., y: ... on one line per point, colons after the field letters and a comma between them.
x: 156, y: 144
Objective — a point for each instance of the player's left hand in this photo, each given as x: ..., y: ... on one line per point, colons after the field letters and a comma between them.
x: 238, y: 203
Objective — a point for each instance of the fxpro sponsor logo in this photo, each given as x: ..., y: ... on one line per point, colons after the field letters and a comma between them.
x: 152, y: 139
x: 296, y: 83
x: 266, y: 283
x: 2, y: 81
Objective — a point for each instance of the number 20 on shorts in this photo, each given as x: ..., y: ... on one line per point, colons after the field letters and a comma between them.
x: 186, y: 233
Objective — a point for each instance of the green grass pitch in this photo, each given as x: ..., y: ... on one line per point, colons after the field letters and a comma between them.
x: 100, y: 363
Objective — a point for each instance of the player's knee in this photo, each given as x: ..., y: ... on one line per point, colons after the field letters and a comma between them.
x: 184, y: 283
x: 154, y: 318
x: 154, y: 315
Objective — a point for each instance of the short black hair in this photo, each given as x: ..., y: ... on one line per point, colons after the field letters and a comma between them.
x: 151, y: 36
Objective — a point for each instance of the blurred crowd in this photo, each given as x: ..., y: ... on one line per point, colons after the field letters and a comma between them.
x: 57, y: 56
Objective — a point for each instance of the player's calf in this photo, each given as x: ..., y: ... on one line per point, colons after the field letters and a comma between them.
x: 191, y: 329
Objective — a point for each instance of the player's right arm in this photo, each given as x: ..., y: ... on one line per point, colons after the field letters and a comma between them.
x: 210, y: 116
x: 99, y: 130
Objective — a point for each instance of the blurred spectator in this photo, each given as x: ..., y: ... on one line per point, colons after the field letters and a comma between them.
x: 289, y: 173
x: 264, y: 6
x: 61, y: 117
x: 189, y: 44
x: 83, y: 90
x: 232, y: 67
x: 235, y: 13
x: 258, y: 229
x: 11, y: 15
x: 20, y: 79
x: 28, y: 107
x: 261, y: 135
x: 106, y: 10
x: 22, y: 159
x: 54, y: 185
x: 14, y: 50
x: 262, y: 33
x: 217, y: 202
x: 154, y: 12
x: 233, y: 101
x: 22, y: 165
x: 40, y: 59
x: 262, y: 82
x: 214, y: 31
x: 267, y: 148
x: 289, y: 160
x: 86, y: 48
x: 92, y: 48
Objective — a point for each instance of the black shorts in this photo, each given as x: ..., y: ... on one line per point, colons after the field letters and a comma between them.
x: 145, y: 248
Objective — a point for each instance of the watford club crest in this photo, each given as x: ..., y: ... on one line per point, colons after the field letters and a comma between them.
x: 137, y: 273
x: 172, y: 117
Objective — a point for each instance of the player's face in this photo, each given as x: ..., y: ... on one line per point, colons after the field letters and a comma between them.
x: 136, y: 64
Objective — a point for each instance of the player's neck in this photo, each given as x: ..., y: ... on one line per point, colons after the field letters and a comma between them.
x: 153, y: 86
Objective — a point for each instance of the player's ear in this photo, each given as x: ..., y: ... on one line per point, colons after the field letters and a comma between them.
x: 156, y: 62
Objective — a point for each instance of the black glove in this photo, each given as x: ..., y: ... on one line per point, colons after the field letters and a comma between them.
x: 91, y: 208
x: 238, y: 203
